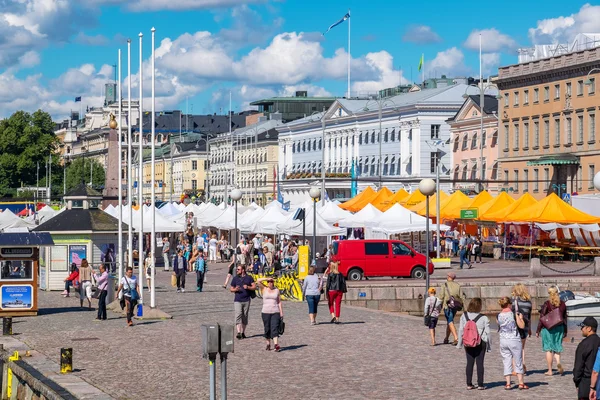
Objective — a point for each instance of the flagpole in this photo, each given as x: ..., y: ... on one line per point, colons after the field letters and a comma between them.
x: 140, y: 179
x: 129, y: 149
x: 120, y: 203
x: 152, y: 183
x: 349, y: 56
x: 423, y: 68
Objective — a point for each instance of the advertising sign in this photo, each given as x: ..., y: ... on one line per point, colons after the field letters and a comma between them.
x: 16, y: 252
x: 469, y: 214
x: 302, y: 262
x: 77, y: 253
x: 17, y: 297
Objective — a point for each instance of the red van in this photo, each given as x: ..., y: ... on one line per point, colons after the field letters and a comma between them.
x: 370, y: 258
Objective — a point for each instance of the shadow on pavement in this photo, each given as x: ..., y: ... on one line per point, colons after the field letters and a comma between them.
x: 290, y: 348
x: 148, y: 322
x: 351, y: 322
x: 60, y: 310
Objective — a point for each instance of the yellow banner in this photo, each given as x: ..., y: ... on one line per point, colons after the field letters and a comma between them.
x: 288, y: 285
x: 303, y: 263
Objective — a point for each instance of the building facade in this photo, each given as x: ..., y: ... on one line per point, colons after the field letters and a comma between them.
x: 548, y: 131
x: 470, y: 146
x: 293, y: 108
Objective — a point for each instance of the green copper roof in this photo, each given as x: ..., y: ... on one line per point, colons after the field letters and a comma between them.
x: 555, y: 159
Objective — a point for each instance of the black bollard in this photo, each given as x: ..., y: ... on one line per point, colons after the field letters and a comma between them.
x: 66, y: 360
x: 7, y: 326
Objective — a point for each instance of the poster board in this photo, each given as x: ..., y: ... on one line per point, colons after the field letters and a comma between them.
x: 303, y: 263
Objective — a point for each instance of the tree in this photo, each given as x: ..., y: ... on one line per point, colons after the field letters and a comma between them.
x: 79, y: 170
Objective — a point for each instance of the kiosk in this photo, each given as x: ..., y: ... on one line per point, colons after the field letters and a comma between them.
x: 19, y: 266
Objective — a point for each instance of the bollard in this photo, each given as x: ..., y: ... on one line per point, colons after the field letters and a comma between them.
x: 596, y: 266
x: 535, y: 268
x: 9, y: 375
x: 66, y: 360
x: 7, y: 326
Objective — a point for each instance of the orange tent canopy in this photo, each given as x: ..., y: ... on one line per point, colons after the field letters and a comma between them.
x: 521, y: 203
x: 500, y: 202
x: 421, y: 208
x: 381, y: 195
x: 389, y: 202
x: 476, y: 202
x: 456, y: 199
x: 413, y: 199
x: 552, y: 209
x: 368, y: 192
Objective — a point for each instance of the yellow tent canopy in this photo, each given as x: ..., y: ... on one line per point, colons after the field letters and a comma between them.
x: 368, y: 192
x: 421, y: 208
x: 413, y: 199
x: 552, y: 209
x: 385, y: 205
x: 456, y: 200
x: 476, y: 202
x: 381, y: 195
x: 500, y: 202
x: 521, y: 203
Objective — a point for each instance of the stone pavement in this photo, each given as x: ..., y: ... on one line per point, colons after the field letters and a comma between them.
x: 371, y: 355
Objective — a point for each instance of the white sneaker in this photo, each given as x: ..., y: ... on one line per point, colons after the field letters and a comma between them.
x: 182, y: 290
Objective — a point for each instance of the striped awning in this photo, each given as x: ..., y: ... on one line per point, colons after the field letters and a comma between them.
x: 556, y: 159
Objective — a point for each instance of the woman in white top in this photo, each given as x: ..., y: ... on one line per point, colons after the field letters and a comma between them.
x: 148, y: 265
x: 511, y: 348
x: 433, y: 305
x: 212, y: 249
x: 129, y: 285
x: 475, y: 354
x: 272, y: 312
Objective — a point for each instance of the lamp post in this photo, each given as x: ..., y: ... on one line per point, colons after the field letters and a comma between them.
x: 381, y: 102
x: 173, y: 147
x: 315, y: 193
x: 427, y: 188
x: 588, y: 80
x: 597, y: 181
x: 481, y: 112
x: 197, y: 146
x: 236, y: 195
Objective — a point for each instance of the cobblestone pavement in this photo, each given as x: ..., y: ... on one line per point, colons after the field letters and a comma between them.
x: 371, y: 355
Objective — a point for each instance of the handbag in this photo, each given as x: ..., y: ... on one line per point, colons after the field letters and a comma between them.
x: 552, y: 319
x: 173, y: 280
x: 135, y: 296
x: 427, y: 318
x: 453, y: 303
x: 281, y: 327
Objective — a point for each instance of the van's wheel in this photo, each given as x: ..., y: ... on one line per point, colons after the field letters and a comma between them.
x: 355, y: 274
x: 418, y: 273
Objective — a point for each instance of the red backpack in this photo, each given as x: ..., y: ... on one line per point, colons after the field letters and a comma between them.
x: 471, y: 336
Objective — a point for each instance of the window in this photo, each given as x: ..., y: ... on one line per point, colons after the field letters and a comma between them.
x: 592, y: 128
x: 526, y: 97
x: 546, y: 133
x: 373, y: 137
x: 303, y: 147
x: 580, y: 129
x: 194, y: 184
x: 592, y: 86
x: 367, y: 138
x: 591, y: 174
x: 465, y: 143
x: 398, y: 249
x: 516, y: 171
x: 556, y: 92
x: 516, y: 146
x: 393, y: 135
x: 433, y: 161
x: 569, y: 132
x: 435, y: 131
x: 526, y: 180
x: 321, y: 144
x: 385, y: 136
x: 546, y: 93
x: 309, y: 146
x: 536, y: 135
x: 483, y: 139
x: 474, y: 141
x: 506, y: 99
x: 536, y: 95
x: 376, y: 248
x: 506, y: 177
x: 546, y: 178
x: 525, y: 135
x: 17, y: 270
x: 536, y: 178
x: 579, y: 88
x: 516, y: 99
x: 293, y: 147
x: 568, y: 89
x: 506, y: 137
x: 579, y: 178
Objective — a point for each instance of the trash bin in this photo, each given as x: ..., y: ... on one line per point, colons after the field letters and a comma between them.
x: 497, y: 251
x: 110, y: 289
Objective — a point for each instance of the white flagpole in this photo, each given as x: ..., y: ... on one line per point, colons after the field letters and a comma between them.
x: 129, y: 149
x: 120, y: 203
x: 140, y: 179
x: 423, y: 68
x: 153, y: 190
x: 349, y: 56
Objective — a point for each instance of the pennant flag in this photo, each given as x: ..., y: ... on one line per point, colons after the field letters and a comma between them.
x: 421, y: 62
x: 345, y: 17
x: 77, y: 99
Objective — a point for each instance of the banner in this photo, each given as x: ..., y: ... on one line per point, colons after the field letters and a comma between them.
x: 17, y: 297
x: 303, y: 262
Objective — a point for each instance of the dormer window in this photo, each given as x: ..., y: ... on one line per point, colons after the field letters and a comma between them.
x: 77, y: 204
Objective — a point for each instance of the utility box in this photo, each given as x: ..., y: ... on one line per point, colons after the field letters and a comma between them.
x: 210, y: 341
x: 227, y: 334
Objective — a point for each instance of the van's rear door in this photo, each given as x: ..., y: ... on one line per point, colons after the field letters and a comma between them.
x: 377, y: 258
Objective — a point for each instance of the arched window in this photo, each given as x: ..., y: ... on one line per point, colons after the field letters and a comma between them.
x: 393, y: 135
x: 373, y: 137
x: 320, y: 144
x: 346, y: 141
x: 465, y: 141
x: 309, y: 145
x: 385, y: 136
x: 366, y: 138
x: 293, y: 147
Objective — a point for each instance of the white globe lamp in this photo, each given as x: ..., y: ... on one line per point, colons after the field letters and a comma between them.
x: 597, y: 181
x: 427, y: 187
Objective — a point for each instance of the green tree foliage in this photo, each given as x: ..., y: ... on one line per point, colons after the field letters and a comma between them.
x: 25, y: 140
x: 79, y: 170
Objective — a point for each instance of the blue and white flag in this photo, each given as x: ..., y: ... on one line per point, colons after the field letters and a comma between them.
x: 339, y: 22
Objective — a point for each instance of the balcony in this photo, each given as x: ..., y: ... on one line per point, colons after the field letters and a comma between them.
x: 308, y: 175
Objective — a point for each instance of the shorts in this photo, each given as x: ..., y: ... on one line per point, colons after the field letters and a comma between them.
x: 449, y: 313
x: 85, y: 290
x: 524, y: 333
x: 433, y: 323
x: 242, y: 310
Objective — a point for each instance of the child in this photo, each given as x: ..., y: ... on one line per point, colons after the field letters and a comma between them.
x: 433, y: 305
x: 256, y: 266
x: 200, y: 268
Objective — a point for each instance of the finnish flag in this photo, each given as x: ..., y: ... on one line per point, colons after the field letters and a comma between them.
x: 339, y: 22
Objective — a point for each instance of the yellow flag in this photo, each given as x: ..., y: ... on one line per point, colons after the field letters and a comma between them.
x: 421, y: 62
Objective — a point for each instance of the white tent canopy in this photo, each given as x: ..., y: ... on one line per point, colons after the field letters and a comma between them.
x: 268, y: 221
x: 293, y: 227
x: 585, y: 227
x: 399, y: 220
x: 224, y: 219
x: 161, y: 223
x: 364, y: 218
x: 10, y: 220
x: 332, y: 213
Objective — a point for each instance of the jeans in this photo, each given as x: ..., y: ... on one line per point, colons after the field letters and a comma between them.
x: 199, y: 280
x: 181, y: 279
x: 475, y: 355
x: 463, y: 259
x: 102, y: 304
x: 335, y: 298
x: 68, y: 285
x: 477, y: 255
x: 313, y: 302
x: 166, y: 260
x: 449, y: 313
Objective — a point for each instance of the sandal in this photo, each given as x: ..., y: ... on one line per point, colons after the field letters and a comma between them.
x: 548, y: 373
x: 507, y: 387
x: 446, y: 341
x: 470, y: 387
x: 480, y: 387
x: 268, y: 347
x: 523, y: 387
x: 455, y: 343
x: 561, y: 370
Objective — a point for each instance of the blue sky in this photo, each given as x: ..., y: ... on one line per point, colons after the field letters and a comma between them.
x: 54, y: 50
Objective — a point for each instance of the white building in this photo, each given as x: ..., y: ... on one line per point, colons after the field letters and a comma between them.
x: 414, y: 135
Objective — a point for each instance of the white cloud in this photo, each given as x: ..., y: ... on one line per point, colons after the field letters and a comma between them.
x: 421, y: 34
x: 386, y: 76
x: 449, y: 62
x: 492, y: 40
x: 91, y: 40
x: 156, y: 5
x: 29, y: 59
x: 490, y: 63
x: 563, y: 29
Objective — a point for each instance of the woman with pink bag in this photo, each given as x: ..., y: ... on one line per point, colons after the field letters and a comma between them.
x: 553, y: 327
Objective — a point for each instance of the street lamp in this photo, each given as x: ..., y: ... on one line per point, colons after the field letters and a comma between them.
x: 314, y: 193
x: 560, y: 187
x: 597, y: 181
x: 381, y: 102
x: 236, y: 195
x: 173, y: 147
x: 427, y: 188
x: 208, y: 164
x: 481, y: 111
x: 588, y: 80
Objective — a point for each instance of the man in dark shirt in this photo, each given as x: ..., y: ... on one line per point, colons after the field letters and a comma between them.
x: 243, y: 286
x: 585, y: 355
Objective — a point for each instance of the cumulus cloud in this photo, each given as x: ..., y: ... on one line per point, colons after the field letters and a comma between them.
x: 490, y: 63
x: 386, y: 75
x: 492, y: 40
x: 421, y: 34
x: 29, y: 59
x: 563, y: 29
x: 91, y: 40
x: 450, y: 62
x: 180, y: 5
x: 248, y: 28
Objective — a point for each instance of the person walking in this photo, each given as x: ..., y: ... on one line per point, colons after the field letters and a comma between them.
x: 433, y: 306
x: 243, y: 286
x: 212, y: 248
x: 230, y: 272
x: 552, y: 336
x: 477, y: 250
x: 200, y: 268
x: 336, y: 287
x: 477, y: 341
x: 451, y: 289
x: 85, y: 279
x: 272, y: 312
x: 463, y: 254
x: 511, y: 348
x: 102, y: 283
x: 585, y: 357
x: 166, y: 252
x: 71, y: 280
x: 311, y: 290
x: 521, y: 303
x: 179, y: 270
x: 268, y: 258
x: 129, y: 286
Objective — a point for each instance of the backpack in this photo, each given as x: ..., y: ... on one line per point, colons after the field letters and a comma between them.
x: 471, y: 336
x: 238, y: 250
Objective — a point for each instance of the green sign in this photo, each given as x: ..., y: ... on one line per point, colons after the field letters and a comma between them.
x: 469, y: 214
